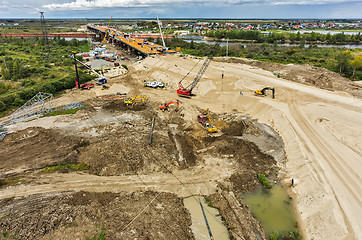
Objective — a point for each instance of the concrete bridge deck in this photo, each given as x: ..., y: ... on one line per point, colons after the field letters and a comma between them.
x: 125, y: 40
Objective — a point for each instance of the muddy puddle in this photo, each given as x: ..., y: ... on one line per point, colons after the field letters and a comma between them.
x: 198, y: 227
x: 273, y: 208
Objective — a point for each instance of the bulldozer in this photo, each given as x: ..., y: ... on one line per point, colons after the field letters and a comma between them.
x: 165, y: 106
x: 262, y: 92
x: 131, y: 101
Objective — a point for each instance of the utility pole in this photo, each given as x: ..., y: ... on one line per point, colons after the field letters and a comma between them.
x: 45, y: 34
x: 76, y: 71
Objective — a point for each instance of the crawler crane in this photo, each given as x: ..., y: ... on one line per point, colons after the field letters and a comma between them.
x: 187, y: 92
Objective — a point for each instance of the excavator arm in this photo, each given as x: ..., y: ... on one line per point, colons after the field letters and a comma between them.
x: 262, y: 92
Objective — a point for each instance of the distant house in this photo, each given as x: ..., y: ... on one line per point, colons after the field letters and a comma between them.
x: 181, y: 32
x: 2, y: 24
x: 16, y: 24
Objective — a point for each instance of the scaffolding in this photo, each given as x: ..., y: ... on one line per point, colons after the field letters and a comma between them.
x: 3, y: 132
x: 37, y: 106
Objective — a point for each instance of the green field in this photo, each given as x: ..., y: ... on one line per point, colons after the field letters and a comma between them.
x: 28, y: 67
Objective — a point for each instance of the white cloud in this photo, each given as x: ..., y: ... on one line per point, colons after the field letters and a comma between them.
x: 86, y: 5
x: 93, y: 4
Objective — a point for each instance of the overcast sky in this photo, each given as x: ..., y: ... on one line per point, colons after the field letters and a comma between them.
x: 181, y: 8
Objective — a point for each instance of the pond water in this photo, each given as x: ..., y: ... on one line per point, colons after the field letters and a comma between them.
x: 273, y: 208
x: 198, y: 227
x: 223, y: 44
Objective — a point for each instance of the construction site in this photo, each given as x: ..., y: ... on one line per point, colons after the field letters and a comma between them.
x: 168, y: 146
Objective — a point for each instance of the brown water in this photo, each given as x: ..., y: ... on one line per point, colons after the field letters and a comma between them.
x: 273, y: 208
x: 198, y: 227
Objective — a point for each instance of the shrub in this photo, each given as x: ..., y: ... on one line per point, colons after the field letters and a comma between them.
x: 274, y: 236
x: 264, y: 181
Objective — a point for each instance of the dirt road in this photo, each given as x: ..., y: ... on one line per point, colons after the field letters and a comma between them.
x: 321, y: 131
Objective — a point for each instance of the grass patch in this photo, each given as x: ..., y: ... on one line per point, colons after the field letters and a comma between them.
x: 62, y: 112
x: 76, y: 167
x: 7, y: 235
x: 263, y: 180
x: 98, y: 236
x: 9, y: 182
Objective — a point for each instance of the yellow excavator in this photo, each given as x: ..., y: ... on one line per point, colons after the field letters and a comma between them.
x: 205, y: 120
x: 262, y: 92
x: 106, y: 35
x: 131, y: 101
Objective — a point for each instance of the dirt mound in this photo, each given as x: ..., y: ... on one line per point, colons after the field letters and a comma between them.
x: 36, y: 148
x: 84, y: 215
x: 118, y: 105
x: 241, y: 223
x: 126, y: 151
x: 307, y: 74
x: 235, y: 128
x: 188, y: 149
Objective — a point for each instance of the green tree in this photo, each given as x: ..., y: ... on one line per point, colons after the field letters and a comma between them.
x: 302, y: 43
x: 356, y: 63
x: 192, y: 44
x: 343, y: 60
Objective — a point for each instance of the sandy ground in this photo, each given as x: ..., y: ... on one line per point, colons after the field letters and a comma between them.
x: 321, y: 131
x: 320, y: 128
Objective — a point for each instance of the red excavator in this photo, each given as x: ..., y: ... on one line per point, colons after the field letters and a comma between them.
x: 187, y: 92
x: 164, y: 107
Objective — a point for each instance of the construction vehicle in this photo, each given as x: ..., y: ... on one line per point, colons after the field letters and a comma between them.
x: 154, y: 84
x: 105, y: 87
x: 165, y: 106
x: 86, y: 86
x: 262, y: 92
x: 100, y: 80
x: 131, y: 101
x: 163, y: 41
x: 205, y: 120
x: 187, y: 92
x: 106, y: 35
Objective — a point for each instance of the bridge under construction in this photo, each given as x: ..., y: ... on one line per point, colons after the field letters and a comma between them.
x: 126, y: 41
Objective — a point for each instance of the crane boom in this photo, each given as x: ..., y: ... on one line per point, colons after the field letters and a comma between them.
x: 105, y: 36
x: 88, y: 67
x: 188, y: 90
x: 100, y: 80
x: 163, y: 41
x: 199, y: 74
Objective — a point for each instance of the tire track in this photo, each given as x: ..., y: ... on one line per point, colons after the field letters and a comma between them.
x: 337, y: 172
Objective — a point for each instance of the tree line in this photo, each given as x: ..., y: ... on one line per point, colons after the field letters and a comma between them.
x: 282, y: 37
